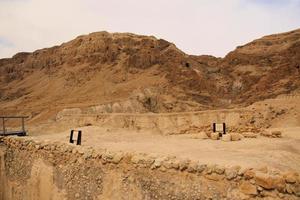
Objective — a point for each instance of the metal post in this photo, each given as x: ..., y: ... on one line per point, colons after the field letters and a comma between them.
x: 71, y: 136
x: 3, y: 124
x: 224, y: 128
x: 79, y: 138
x: 23, y: 126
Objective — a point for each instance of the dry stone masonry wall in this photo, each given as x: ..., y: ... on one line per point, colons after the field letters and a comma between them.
x: 241, y: 120
x: 76, y: 172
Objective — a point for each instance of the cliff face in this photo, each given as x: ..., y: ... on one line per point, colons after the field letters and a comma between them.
x: 265, y: 67
x: 144, y: 74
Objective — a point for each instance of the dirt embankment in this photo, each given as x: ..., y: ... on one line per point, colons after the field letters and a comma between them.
x: 279, y: 112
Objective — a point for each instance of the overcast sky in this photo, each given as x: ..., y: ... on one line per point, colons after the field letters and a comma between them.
x: 197, y: 27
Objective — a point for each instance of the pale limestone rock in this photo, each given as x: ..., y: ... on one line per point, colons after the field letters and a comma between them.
x: 272, y: 134
x: 171, y: 163
x: 249, y: 173
x: 158, y: 162
x: 226, y: 137
x: 192, y: 167
x: 214, y: 136
x: 269, y: 182
x: 142, y: 159
x: 202, y: 135
x: 53, y: 147
x: 219, y: 169
x: 263, y: 169
x: 87, y: 155
x: 107, y: 156
x: 291, y: 177
x: 117, y: 158
x: 209, y: 169
x: 200, y: 167
x: 231, y: 173
x: 249, y: 135
x: 235, y: 136
x: 277, y: 134
x: 77, y: 195
x: 183, y: 164
x: 293, y: 189
x: 264, y: 180
x: 266, y: 133
x: 247, y: 188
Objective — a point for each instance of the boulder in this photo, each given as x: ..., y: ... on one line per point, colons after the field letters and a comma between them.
x: 183, y: 164
x: 214, y: 136
x: 142, y: 159
x: 249, y: 135
x: 203, y: 135
x: 293, y: 189
x: 269, y: 182
x: 201, y: 167
x: 219, y: 169
x: 266, y: 133
x: 264, y: 180
x: 248, y: 188
x: 249, y: 173
x: 171, y: 164
x: 226, y: 137
x: 158, y: 162
x: 272, y: 134
x: 232, y: 172
x: 235, y: 136
x: 263, y: 169
x: 107, y: 156
x: 276, y: 134
x: 192, y: 167
x: 117, y: 158
x: 291, y: 177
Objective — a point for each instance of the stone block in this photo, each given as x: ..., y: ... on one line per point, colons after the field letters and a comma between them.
x: 226, y: 137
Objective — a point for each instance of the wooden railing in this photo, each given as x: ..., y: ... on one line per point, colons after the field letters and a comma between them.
x: 5, y: 132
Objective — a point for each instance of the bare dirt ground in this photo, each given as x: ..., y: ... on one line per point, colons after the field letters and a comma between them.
x: 281, y: 153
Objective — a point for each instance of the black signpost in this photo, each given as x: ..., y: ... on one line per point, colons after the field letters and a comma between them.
x: 221, y: 132
x: 78, y: 140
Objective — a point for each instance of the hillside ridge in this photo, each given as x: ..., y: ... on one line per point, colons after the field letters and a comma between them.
x: 125, y: 72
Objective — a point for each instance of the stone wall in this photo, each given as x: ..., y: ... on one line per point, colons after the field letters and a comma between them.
x: 168, y: 123
x: 32, y: 170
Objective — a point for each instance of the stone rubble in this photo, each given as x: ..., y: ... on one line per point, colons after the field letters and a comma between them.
x: 271, y: 134
x: 248, y: 182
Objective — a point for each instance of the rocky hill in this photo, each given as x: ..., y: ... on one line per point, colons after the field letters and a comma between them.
x: 124, y: 72
x: 265, y: 67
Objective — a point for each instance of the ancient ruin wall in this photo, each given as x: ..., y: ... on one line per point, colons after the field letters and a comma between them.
x: 32, y: 170
x: 167, y: 123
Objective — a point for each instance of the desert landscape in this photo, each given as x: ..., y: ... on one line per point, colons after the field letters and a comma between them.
x: 146, y: 112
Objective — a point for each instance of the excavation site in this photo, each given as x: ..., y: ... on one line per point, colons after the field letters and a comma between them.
x: 122, y: 116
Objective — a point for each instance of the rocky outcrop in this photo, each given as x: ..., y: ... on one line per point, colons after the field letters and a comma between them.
x: 103, y: 69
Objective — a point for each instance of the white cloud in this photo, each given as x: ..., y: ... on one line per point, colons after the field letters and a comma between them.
x: 195, y: 26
